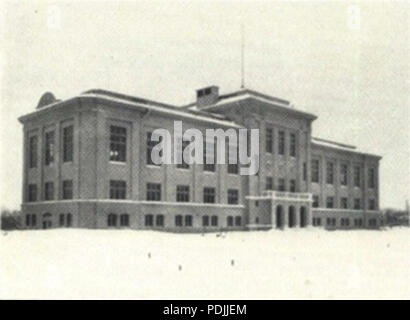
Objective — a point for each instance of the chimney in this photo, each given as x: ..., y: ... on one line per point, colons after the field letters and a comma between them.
x: 207, y: 96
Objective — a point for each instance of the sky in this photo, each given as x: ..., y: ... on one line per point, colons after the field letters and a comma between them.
x: 347, y: 62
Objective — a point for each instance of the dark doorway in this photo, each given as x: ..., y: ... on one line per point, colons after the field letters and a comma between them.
x: 292, y: 217
x: 279, y: 217
x: 303, y: 217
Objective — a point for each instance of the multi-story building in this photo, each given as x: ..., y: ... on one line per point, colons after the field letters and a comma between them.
x: 87, y: 164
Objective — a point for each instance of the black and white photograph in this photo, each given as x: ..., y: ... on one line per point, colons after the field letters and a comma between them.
x: 197, y: 150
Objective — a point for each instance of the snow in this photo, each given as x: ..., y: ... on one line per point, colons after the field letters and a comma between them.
x: 128, y: 264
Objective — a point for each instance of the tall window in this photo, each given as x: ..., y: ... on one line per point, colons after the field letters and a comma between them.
x: 269, y: 183
x: 124, y: 220
x: 238, y: 221
x: 343, y: 174
x: 205, y: 221
x: 229, y: 221
x: 329, y: 172
x: 329, y: 202
x: 356, y: 173
x: 232, y: 154
x: 269, y: 140
x: 292, y: 185
x: 183, y: 164
x: 233, y: 196
x: 159, y: 220
x: 214, y: 221
x: 372, y: 178
x: 68, y: 144
x: 32, y: 192
x: 112, y: 220
x: 182, y: 193
x: 31, y: 220
x: 292, y: 146
x: 281, y: 142
x: 153, y: 191
x: 188, y: 220
x: 357, y: 204
x: 209, y: 161
x: 315, y: 170
x: 315, y: 203
x: 178, y: 220
x: 49, y: 148
x: 343, y: 203
x: 149, y: 220
x: 33, y: 151
x: 150, y: 145
x: 209, y: 195
x: 304, y: 171
x: 118, y: 189
x: 118, y: 144
x: 67, y: 189
x: 281, y: 184
x: 372, y: 204
x: 49, y: 191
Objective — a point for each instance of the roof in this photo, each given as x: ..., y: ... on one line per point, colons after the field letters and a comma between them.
x: 339, y: 146
x: 243, y: 94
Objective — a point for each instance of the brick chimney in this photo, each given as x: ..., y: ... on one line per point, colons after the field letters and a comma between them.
x: 207, y: 96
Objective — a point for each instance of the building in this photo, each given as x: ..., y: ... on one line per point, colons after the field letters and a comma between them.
x: 86, y: 166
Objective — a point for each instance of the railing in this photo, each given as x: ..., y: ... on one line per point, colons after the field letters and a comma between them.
x: 287, y: 195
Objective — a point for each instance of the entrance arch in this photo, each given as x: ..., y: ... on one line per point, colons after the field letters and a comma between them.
x: 279, y: 216
x: 291, y: 217
x: 303, y: 217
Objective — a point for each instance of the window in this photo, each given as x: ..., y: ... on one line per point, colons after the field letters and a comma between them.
x: 67, y: 189
x: 49, y: 191
x: 183, y: 164
x: 68, y: 144
x: 214, y: 221
x: 372, y: 204
x: 281, y: 185
x: 69, y: 219
x: 149, y: 220
x: 209, y: 154
x: 292, y: 147
x: 65, y: 220
x: 209, y: 195
x: 178, y: 220
x: 32, y: 192
x: 238, y: 221
x: 269, y: 183
x: 331, y: 222
x: 188, y: 221
x: 229, y: 221
x: 61, y: 219
x: 329, y: 172
x: 343, y: 203
x: 269, y: 140
x: 112, y: 220
x: 124, y: 220
x: 344, y: 222
x: 153, y: 192
x: 31, y: 220
x: 356, y: 172
x: 329, y: 202
x: 281, y: 142
x: 357, y: 204
x: 233, y: 196
x: 343, y: 174
x: 49, y: 148
x: 372, y: 223
x: 292, y: 185
x: 159, y: 220
x: 315, y: 201
x: 118, y: 143
x: 150, y: 145
x: 315, y: 170
x: 358, y: 222
x: 205, y: 221
x: 33, y: 152
x: 304, y: 171
x: 233, y: 158
x: 317, y: 222
x: 182, y: 193
x: 372, y: 180
x: 118, y: 189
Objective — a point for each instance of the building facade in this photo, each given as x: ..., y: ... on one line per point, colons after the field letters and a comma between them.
x: 87, y: 165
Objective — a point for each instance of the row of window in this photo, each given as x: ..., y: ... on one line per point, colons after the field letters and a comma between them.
x: 64, y: 219
x: 344, y: 203
x: 281, y: 186
x: 344, y: 174
x: 281, y: 142
x: 49, y: 147
x: 66, y: 192
x: 344, y: 222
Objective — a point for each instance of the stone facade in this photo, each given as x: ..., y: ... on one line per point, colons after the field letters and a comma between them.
x: 68, y: 160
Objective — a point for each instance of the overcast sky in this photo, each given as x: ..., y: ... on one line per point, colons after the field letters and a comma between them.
x: 354, y: 76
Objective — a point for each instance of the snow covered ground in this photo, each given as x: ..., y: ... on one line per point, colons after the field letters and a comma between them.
x: 126, y: 264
